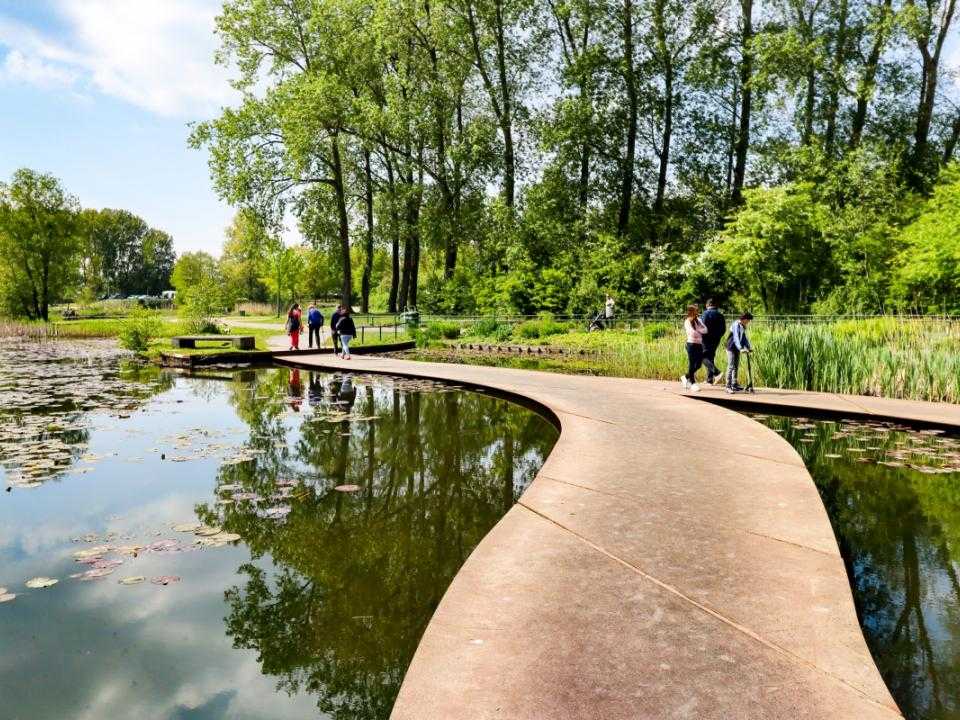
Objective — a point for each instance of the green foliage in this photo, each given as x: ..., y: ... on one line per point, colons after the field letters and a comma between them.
x: 40, y: 244
x: 123, y: 255
x: 656, y: 330
x: 539, y: 328
x: 138, y: 329
x: 927, y: 278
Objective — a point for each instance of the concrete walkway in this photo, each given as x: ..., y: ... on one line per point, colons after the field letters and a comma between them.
x: 672, y: 559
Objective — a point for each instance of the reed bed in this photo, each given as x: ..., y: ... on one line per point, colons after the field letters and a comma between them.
x: 889, y: 357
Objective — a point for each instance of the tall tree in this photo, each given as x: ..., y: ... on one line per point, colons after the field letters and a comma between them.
x: 40, y: 242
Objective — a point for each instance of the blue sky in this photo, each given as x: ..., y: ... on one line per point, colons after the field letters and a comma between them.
x: 100, y: 92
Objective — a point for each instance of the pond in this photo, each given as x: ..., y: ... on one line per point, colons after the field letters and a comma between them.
x: 248, y: 544
x: 893, y: 496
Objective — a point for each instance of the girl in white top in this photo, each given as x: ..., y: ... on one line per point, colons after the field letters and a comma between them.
x: 695, y: 331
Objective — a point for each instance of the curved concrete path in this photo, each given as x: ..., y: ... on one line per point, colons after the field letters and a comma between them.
x: 672, y: 559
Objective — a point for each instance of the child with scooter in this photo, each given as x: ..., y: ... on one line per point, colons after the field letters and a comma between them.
x: 737, y: 343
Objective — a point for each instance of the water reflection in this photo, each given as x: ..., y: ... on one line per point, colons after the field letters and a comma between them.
x: 893, y: 496
x: 357, y: 575
x: 325, y: 593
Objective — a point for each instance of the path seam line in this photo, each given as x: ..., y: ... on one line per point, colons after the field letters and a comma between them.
x: 713, y: 613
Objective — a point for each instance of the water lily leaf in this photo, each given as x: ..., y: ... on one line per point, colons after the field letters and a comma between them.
x: 7, y: 597
x: 187, y: 527
x: 132, y: 580
x: 347, y: 488
x: 165, y: 579
x: 225, y: 537
x: 207, y: 530
x: 41, y: 582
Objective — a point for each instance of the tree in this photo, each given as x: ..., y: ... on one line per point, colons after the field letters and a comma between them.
x: 928, y: 273
x: 242, y: 257
x: 40, y: 243
x: 191, y: 269
x: 126, y: 256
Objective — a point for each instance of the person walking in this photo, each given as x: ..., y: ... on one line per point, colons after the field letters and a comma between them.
x: 737, y: 342
x: 695, y: 331
x: 608, y: 311
x: 716, y: 325
x: 347, y: 331
x: 314, y: 323
x: 294, y: 325
x: 334, y: 336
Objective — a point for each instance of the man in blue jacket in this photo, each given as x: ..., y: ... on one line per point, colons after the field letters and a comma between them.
x: 716, y: 325
x: 314, y: 323
x: 737, y: 342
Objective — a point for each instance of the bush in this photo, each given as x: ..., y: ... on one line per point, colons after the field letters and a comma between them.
x: 540, y: 328
x: 656, y: 330
x: 201, y: 304
x: 432, y: 332
x: 490, y: 328
x: 138, y: 329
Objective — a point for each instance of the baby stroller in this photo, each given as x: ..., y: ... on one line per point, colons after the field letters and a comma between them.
x: 599, y: 322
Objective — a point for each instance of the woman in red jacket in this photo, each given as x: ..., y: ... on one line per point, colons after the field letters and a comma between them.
x: 295, y: 325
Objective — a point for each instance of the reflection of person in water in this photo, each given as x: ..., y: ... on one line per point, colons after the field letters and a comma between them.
x: 314, y: 389
x: 296, y: 390
x: 347, y: 394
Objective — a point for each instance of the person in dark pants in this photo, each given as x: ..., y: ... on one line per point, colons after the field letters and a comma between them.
x: 716, y: 325
x: 347, y: 331
x: 314, y: 323
x: 737, y: 342
x: 334, y: 335
x: 695, y: 331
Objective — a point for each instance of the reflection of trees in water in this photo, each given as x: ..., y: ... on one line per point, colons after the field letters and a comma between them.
x: 358, y: 575
x: 898, y: 532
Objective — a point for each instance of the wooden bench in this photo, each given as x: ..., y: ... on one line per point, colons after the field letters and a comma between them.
x: 241, y: 342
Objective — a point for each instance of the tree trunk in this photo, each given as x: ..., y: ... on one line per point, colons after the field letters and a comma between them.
x: 45, y: 289
x: 368, y: 246
x: 339, y: 190
x: 929, y: 75
x: 732, y: 141
x: 810, y: 98
x: 415, y: 236
x: 667, y: 59
x: 509, y: 160
x: 865, y: 86
x: 395, y: 244
x: 839, y: 62
x: 746, y: 97
x: 626, y: 181
x: 951, y: 143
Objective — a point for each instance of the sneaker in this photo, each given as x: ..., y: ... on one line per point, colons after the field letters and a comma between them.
x: 738, y: 387
x: 730, y: 390
x: 694, y: 388
x: 684, y: 382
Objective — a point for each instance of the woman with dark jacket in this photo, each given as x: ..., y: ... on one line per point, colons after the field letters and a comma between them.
x: 347, y: 331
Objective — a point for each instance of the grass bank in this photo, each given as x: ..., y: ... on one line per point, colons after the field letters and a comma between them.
x: 889, y: 357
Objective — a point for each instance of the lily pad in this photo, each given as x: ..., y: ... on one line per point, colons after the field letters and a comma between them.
x: 208, y: 530
x: 347, y: 488
x: 41, y: 582
x: 132, y: 580
x: 187, y: 527
x: 7, y: 597
x: 165, y: 579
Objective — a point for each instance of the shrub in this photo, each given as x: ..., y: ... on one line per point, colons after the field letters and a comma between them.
x: 540, y: 328
x: 656, y: 330
x: 138, y: 329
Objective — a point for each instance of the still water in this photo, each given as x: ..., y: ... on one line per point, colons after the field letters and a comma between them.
x: 248, y: 544
x: 893, y: 496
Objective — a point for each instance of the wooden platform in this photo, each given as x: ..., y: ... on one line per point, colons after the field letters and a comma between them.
x: 241, y: 342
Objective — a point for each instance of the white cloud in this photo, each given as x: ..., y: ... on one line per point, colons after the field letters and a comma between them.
x: 33, y: 70
x: 156, y: 54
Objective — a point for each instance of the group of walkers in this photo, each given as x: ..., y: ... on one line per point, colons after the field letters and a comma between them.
x: 342, y: 328
x: 704, y: 335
